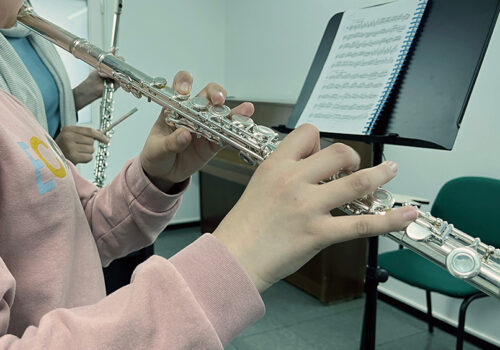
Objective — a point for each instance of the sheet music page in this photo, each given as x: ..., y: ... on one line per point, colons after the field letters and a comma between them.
x: 358, y: 67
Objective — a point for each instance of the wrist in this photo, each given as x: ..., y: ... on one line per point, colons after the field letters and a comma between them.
x: 248, y: 261
x: 84, y: 94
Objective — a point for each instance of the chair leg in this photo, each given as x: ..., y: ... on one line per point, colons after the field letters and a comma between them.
x: 429, y: 311
x: 461, y: 318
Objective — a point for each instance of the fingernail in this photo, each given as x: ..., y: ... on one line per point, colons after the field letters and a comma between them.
x: 410, y: 214
x: 221, y: 95
x: 392, y: 165
x: 182, y: 138
x: 184, y: 87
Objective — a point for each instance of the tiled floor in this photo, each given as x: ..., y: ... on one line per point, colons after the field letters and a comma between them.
x: 295, y: 320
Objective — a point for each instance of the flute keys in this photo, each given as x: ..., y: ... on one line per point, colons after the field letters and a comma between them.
x: 180, y: 97
x: 417, y: 232
x: 263, y: 132
x: 200, y: 103
x: 463, y: 262
x: 242, y: 121
x: 382, y: 199
x: 244, y: 157
x: 159, y: 83
x: 220, y: 111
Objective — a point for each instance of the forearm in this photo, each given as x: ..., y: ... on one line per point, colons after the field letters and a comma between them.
x: 84, y: 94
x: 201, y: 296
x: 128, y: 213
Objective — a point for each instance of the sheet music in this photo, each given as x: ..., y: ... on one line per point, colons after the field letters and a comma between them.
x: 358, y: 67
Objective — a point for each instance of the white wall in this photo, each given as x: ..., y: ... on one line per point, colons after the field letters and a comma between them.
x: 160, y: 38
x: 270, y: 46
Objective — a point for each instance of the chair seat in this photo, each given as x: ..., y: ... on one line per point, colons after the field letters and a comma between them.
x: 411, y: 268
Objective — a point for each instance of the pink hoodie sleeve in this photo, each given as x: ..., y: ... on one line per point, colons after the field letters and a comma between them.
x: 199, y: 299
x: 129, y: 213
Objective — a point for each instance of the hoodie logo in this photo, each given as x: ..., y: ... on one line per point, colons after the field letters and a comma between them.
x: 59, y: 169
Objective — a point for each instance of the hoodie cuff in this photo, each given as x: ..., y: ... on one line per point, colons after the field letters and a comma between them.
x: 223, y: 289
x: 146, y: 193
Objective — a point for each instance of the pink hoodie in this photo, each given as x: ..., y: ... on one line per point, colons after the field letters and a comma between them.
x: 57, y: 230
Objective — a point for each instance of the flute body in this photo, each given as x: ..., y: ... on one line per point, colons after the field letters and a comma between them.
x: 107, y: 106
x: 463, y: 256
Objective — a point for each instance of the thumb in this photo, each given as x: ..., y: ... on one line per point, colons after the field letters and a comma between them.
x: 177, y: 141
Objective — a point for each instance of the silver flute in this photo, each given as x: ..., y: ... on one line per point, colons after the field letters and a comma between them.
x: 107, y: 107
x: 463, y: 256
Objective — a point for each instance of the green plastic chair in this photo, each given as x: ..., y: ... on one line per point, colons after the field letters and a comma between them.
x: 471, y: 205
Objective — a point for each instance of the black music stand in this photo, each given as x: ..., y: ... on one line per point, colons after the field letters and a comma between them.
x: 427, y: 103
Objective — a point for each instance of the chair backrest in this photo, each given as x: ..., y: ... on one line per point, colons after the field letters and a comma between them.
x: 472, y: 205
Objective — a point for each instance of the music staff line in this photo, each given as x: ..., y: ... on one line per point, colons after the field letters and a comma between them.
x: 347, y: 96
x: 362, y: 63
x: 359, y: 44
x: 378, y: 21
x: 339, y: 75
x: 343, y: 107
x: 373, y: 53
x: 345, y: 86
x: 338, y: 116
x: 357, y: 35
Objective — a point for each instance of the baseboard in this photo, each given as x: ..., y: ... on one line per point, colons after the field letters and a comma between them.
x: 446, y: 327
x: 182, y: 225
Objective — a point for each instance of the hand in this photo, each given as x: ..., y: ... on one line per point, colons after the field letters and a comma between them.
x: 90, y: 90
x: 283, y: 218
x: 77, y: 143
x: 171, y: 155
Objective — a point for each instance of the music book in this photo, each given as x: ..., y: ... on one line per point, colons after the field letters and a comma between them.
x: 365, y: 60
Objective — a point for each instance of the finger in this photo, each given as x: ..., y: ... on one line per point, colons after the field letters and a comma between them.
x: 87, y: 149
x: 81, y: 130
x: 76, y: 157
x: 246, y: 108
x: 99, y: 136
x: 343, y: 228
x: 86, y: 136
x: 183, y: 82
x: 330, y: 160
x: 299, y: 144
x: 79, y: 139
x: 83, y: 157
x: 177, y: 141
x: 356, y: 185
x: 215, y: 93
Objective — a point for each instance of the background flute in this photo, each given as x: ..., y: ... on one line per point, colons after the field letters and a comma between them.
x: 107, y: 106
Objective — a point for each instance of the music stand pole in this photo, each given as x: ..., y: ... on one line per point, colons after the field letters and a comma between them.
x: 373, y: 276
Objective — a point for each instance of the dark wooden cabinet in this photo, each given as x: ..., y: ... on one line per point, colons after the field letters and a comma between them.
x: 337, y: 272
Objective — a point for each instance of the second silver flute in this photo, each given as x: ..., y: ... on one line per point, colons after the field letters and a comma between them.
x: 462, y: 255
x: 107, y: 106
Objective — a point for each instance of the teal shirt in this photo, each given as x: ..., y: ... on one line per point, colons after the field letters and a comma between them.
x: 43, y: 79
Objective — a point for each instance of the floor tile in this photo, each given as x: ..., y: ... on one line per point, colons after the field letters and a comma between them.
x: 438, y: 340
x: 279, y: 339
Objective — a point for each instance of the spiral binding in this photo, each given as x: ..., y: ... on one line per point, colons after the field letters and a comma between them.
x: 400, y: 61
